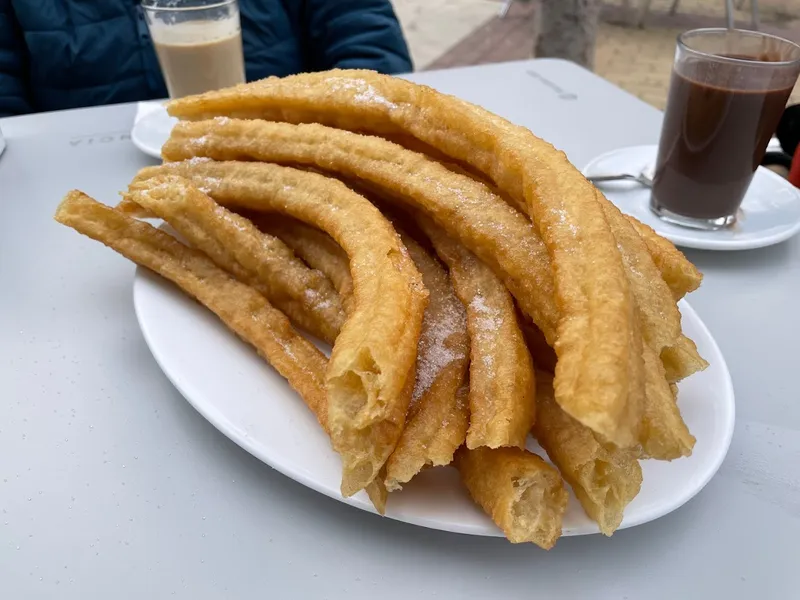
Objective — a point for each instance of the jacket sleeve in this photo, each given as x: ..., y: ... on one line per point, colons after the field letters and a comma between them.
x: 13, y: 80
x: 355, y: 34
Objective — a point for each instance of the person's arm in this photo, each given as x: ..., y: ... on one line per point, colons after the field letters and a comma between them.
x: 345, y: 34
x: 13, y: 86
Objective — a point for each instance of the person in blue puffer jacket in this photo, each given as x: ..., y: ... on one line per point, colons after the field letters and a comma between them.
x: 73, y: 53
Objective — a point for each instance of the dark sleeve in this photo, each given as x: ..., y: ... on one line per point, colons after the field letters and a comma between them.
x: 13, y: 59
x: 355, y: 34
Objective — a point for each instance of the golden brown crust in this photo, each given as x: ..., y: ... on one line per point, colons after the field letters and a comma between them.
x: 523, y: 495
x: 368, y: 102
x: 680, y: 275
x: 682, y: 360
x: 374, y: 354
x: 599, y: 373
x: 316, y: 248
x: 436, y: 423
x: 246, y: 312
x: 261, y: 261
x: 604, y: 479
x: 658, y: 314
x: 501, y: 395
x: 241, y: 308
x: 663, y: 434
x: 507, y: 241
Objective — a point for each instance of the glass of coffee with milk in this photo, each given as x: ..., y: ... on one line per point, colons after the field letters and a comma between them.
x: 198, y: 43
x: 729, y: 88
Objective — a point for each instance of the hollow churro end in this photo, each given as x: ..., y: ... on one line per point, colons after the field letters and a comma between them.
x: 604, y: 489
x: 537, y: 509
x: 524, y: 496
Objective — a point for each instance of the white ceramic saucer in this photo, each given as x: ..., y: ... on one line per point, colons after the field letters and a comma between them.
x: 769, y: 214
x: 151, y: 128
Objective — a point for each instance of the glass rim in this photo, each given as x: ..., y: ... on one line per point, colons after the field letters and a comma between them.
x: 682, y: 37
x: 151, y: 5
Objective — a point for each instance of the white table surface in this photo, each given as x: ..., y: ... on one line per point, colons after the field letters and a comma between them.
x: 112, y: 486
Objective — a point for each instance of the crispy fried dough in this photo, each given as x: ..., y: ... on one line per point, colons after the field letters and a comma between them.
x: 502, y: 385
x: 468, y: 210
x: 365, y: 101
x: 316, y: 248
x: 235, y: 244
x: 523, y: 495
x: 240, y: 307
x: 658, y: 314
x: 663, y: 434
x: 604, y: 479
x: 436, y: 422
x: 437, y: 419
x: 374, y: 354
x: 599, y: 372
x: 681, y: 275
x: 682, y: 360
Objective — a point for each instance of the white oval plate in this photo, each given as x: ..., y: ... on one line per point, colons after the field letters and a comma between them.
x: 770, y: 212
x: 152, y: 130
x: 243, y: 397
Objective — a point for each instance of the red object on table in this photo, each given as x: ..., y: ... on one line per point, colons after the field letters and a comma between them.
x: 794, y: 172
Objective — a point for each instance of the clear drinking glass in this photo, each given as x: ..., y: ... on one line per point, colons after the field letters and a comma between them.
x: 728, y: 91
x: 198, y: 43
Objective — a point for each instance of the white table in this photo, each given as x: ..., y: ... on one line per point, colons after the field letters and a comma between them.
x: 112, y: 486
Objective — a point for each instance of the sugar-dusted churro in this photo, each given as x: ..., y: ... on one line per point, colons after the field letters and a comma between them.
x: 502, y: 385
x: 236, y: 245
x: 436, y: 423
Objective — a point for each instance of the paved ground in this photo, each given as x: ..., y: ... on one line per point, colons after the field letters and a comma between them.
x: 446, y: 33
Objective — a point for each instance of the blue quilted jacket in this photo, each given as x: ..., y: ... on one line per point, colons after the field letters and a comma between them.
x: 72, y: 53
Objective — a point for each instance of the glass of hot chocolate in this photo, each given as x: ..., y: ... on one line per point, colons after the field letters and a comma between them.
x: 198, y: 43
x: 729, y: 88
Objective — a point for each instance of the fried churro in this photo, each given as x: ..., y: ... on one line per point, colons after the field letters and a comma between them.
x: 682, y: 360
x: 681, y: 276
x: 523, y: 495
x: 414, y: 115
x: 240, y: 307
x: 243, y: 309
x: 436, y: 422
x: 316, y: 248
x: 236, y: 245
x: 524, y: 167
x: 507, y: 241
x: 502, y: 385
x: 374, y: 354
x: 604, y: 479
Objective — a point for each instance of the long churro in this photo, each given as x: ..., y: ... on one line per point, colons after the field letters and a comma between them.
x: 316, y: 248
x: 507, y: 241
x: 374, y: 354
x: 436, y: 423
x: 681, y: 276
x: 234, y: 244
x: 523, y: 495
x: 502, y: 385
x: 240, y: 307
x: 604, y: 479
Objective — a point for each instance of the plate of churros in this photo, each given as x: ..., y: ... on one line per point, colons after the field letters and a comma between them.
x: 410, y: 304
